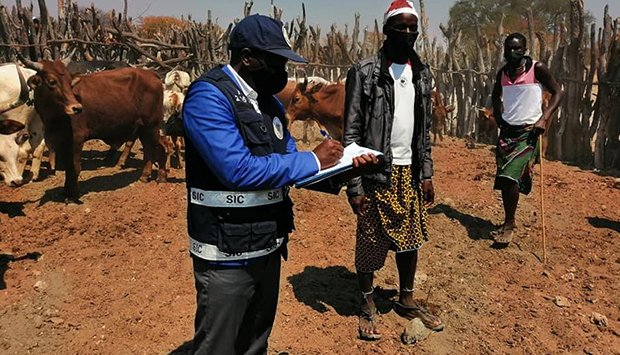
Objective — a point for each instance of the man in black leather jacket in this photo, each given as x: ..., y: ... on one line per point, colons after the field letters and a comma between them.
x: 388, y: 108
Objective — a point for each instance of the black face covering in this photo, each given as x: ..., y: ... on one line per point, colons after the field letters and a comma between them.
x: 401, y: 42
x: 269, y: 82
x: 513, y: 58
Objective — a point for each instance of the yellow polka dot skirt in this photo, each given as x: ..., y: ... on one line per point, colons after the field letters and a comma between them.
x: 395, y: 218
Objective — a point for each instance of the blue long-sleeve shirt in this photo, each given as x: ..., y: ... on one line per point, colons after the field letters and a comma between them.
x: 210, y: 124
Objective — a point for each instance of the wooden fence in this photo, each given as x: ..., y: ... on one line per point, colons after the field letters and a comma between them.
x: 585, y: 131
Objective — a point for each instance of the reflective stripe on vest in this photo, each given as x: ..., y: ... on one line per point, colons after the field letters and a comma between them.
x: 212, y: 253
x: 235, y: 199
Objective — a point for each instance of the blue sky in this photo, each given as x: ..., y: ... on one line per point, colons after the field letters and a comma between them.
x: 319, y: 12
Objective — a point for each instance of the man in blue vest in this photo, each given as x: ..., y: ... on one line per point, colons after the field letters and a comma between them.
x: 240, y: 160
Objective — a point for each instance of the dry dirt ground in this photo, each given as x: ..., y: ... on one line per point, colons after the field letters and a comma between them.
x: 113, y: 275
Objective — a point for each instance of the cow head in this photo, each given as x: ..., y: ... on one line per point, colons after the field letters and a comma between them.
x: 485, y: 113
x: 173, y: 103
x: 177, y: 80
x: 53, y: 88
x: 302, y: 101
x: 12, y: 137
x: 487, y: 126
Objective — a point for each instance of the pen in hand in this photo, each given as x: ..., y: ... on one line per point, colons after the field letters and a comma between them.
x: 325, y: 134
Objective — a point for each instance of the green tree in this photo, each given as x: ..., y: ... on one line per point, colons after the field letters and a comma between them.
x: 486, y: 14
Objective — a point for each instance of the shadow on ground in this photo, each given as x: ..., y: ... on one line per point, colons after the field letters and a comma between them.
x: 336, y: 287
x: 95, y: 184
x: 13, y: 209
x: 477, y: 228
x: 6, y: 259
x: 598, y: 222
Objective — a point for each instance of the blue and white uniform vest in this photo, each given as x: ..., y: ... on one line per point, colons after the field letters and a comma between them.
x: 227, y: 225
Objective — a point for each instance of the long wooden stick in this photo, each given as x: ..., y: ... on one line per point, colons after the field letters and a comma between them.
x: 542, y: 201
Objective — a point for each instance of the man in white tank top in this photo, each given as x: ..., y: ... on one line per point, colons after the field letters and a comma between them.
x: 521, y: 117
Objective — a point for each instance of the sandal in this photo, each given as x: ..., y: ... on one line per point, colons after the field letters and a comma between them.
x: 367, y: 315
x: 503, y: 236
x: 430, y: 321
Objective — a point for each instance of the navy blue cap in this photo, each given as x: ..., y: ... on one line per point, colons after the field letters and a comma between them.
x: 263, y: 33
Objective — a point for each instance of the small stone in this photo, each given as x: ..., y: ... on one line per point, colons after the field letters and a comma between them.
x: 546, y: 273
x: 40, y: 286
x: 415, y: 332
x: 57, y: 320
x: 568, y: 277
x: 598, y: 319
x: 36, y: 273
x: 87, y: 210
x: 38, y: 322
x: 572, y: 270
x: 561, y: 301
x: 421, y: 277
x: 49, y: 313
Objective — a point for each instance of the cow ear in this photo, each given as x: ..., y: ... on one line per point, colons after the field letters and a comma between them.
x: 315, y: 88
x: 34, y: 82
x: 75, y: 81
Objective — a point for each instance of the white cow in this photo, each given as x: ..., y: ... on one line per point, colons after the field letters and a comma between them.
x: 173, y: 104
x: 177, y: 80
x: 16, y: 148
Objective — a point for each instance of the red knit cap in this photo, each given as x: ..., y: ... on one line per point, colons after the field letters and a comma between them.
x: 400, y: 7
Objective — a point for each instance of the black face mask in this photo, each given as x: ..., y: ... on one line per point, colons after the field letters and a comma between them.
x: 401, y: 42
x: 513, y: 58
x: 268, y: 82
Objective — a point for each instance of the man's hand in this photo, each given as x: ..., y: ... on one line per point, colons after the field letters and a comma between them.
x: 358, y: 204
x: 365, y: 162
x: 541, y: 125
x: 329, y: 153
x: 428, y: 192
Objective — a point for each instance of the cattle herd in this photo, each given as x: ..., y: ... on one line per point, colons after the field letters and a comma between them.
x: 59, y: 105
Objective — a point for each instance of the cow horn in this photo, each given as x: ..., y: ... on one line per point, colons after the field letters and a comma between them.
x: 66, y: 60
x: 304, y: 85
x: 24, y: 94
x: 29, y: 63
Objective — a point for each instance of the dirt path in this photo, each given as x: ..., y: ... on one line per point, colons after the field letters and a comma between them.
x: 113, y: 276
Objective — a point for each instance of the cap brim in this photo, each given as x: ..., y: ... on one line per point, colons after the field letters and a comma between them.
x: 287, y: 53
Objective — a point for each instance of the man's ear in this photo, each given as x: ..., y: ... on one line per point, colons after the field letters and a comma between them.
x: 246, y: 57
x: 34, y: 82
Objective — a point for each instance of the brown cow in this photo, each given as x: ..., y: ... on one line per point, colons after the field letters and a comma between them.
x: 286, y: 95
x: 440, y: 115
x: 115, y: 106
x: 487, y: 126
x: 323, y: 103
